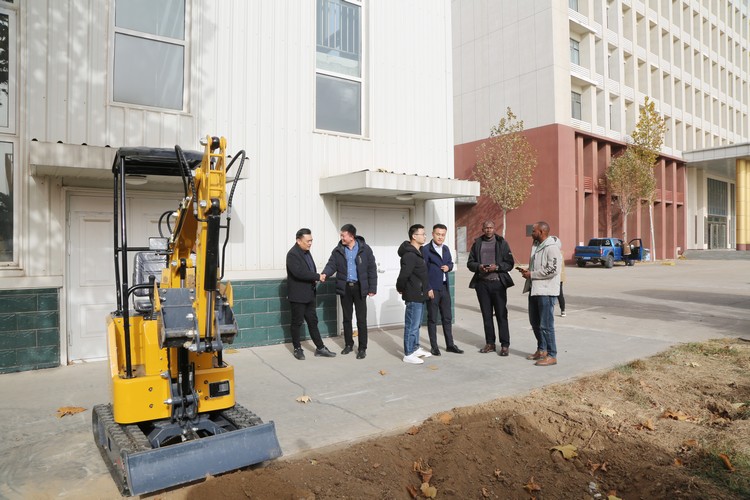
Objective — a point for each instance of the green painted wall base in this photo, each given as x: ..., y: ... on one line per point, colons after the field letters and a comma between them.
x: 29, y: 329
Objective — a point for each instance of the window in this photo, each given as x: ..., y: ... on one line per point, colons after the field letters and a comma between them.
x: 575, y: 53
x: 575, y: 101
x: 338, y: 62
x: 149, y: 53
x: 573, y: 4
x: 6, y: 202
x: 7, y: 70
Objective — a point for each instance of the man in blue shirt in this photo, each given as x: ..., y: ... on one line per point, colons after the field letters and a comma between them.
x: 356, y: 273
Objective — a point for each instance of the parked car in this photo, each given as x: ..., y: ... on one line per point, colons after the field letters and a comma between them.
x: 607, y: 251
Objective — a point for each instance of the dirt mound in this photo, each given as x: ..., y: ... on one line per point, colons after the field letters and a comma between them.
x: 673, y: 426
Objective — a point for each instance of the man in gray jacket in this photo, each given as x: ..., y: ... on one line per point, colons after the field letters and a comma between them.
x: 543, y: 283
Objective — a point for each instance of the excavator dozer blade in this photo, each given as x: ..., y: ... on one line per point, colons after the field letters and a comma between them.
x: 138, y: 470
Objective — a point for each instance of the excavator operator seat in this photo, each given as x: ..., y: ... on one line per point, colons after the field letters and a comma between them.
x: 145, y: 264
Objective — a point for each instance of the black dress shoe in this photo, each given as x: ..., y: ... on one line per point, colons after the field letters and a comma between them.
x: 361, y: 354
x: 324, y: 352
x: 347, y: 349
x: 435, y: 351
x: 454, y: 348
x: 299, y: 354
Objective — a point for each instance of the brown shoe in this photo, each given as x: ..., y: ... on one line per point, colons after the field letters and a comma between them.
x: 537, y: 355
x: 488, y: 348
x: 547, y: 361
x: 503, y: 351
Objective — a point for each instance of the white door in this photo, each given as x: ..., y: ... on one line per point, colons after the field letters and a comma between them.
x: 90, y: 265
x: 384, y: 229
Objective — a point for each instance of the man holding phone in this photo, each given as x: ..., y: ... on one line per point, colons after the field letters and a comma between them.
x: 490, y: 259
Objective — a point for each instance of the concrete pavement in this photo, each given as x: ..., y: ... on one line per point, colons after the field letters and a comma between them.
x: 614, y: 316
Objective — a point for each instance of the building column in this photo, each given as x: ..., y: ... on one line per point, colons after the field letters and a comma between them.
x: 743, y: 204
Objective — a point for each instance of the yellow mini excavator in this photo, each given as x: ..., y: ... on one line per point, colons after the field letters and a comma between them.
x: 173, y: 417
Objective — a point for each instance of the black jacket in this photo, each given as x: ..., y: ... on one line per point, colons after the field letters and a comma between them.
x: 503, y: 259
x: 367, y: 269
x: 300, y: 281
x: 412, y: 281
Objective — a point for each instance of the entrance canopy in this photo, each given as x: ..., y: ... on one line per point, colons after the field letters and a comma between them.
x: 720, y: 161
x: 400, y: 186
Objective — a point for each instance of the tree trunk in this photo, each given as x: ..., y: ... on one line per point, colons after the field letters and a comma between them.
x: 504, y: 212
x: 651, y: 221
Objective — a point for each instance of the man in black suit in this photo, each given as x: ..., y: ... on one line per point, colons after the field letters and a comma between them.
x: 301, y: 281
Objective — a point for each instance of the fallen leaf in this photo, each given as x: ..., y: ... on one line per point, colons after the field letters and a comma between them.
x: 428, y: 491
x: 304, y: 399
x: 69, y: 410
x: 693, y: 364
x: 648, y: 424
x: 230, y: 351
x: 445, y: 418
x: 413, y: 430
x: 412, y: 491
x: 690, y: 443
x: 485, y: 493
x: 607, y: 412
x: 726, y: 461
x: 531, y: 486
x: 498, y: 473
x: 568, y: 451
x: 595, y: 467
x: 612, y: 496
x: 382, y: 372
x: 674, y: 415
x: 433, y: 367
x: 313, y: 462
x: 678, y: 462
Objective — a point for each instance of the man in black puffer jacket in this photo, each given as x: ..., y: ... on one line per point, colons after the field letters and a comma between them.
x: 356, y: 273
x: 414, y: 286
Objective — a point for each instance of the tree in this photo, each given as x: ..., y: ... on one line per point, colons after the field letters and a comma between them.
x: 505, y: 165
x: 630, y: 177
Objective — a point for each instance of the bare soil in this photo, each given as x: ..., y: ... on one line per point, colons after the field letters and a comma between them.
x: 676, y: 425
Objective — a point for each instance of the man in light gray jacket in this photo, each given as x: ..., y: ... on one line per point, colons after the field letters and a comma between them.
x: 543, y: 283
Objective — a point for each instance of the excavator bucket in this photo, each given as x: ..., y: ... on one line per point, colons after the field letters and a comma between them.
x: 137, y: 468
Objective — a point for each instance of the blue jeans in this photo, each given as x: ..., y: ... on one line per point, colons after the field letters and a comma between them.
x: 542, y: 319
x: 412, y: 321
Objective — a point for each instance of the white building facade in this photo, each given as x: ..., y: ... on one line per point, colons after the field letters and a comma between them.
x: 577, y: 73
x: 315, y: 92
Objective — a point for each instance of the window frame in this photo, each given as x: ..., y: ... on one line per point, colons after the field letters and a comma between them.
x: 360, y: 80
x: 115, y: 30
x: 575, y: 48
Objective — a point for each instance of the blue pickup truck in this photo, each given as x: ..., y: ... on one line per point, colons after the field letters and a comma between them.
x: 607, y: 251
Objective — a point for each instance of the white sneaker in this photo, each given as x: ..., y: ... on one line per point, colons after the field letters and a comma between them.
x: 562, y: 314
x: 413, y: 359
x: 422, y: 353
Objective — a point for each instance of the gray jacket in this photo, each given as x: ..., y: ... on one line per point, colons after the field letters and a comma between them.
x: 545, y: 266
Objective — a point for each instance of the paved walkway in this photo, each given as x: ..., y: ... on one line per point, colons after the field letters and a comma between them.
x: 614, y: 316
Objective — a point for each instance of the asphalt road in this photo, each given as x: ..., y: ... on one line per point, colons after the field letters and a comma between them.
x: 613, y: 316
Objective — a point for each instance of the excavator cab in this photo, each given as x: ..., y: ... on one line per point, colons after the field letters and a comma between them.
x: 173, y: 416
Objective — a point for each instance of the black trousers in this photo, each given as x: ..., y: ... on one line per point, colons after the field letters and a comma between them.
x: 305, y: 311
x: 442, y: 304
x: 350, y: 301
x: 493, y: 301
x: 561, y: 298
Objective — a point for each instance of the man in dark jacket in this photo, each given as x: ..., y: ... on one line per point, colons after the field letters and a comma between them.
x: 437, y: 256
x: 356, y: 273
x: 490, y: 259
x: 301, y: 278
x: 413, y: 285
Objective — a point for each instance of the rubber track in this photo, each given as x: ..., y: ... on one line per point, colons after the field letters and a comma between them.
x: 241, y: 417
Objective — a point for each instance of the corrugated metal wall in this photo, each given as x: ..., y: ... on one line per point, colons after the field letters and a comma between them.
x: 252, y: 79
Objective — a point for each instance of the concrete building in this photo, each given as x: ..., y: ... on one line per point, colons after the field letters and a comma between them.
x: 577, y: 73
x: 342, y: 106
